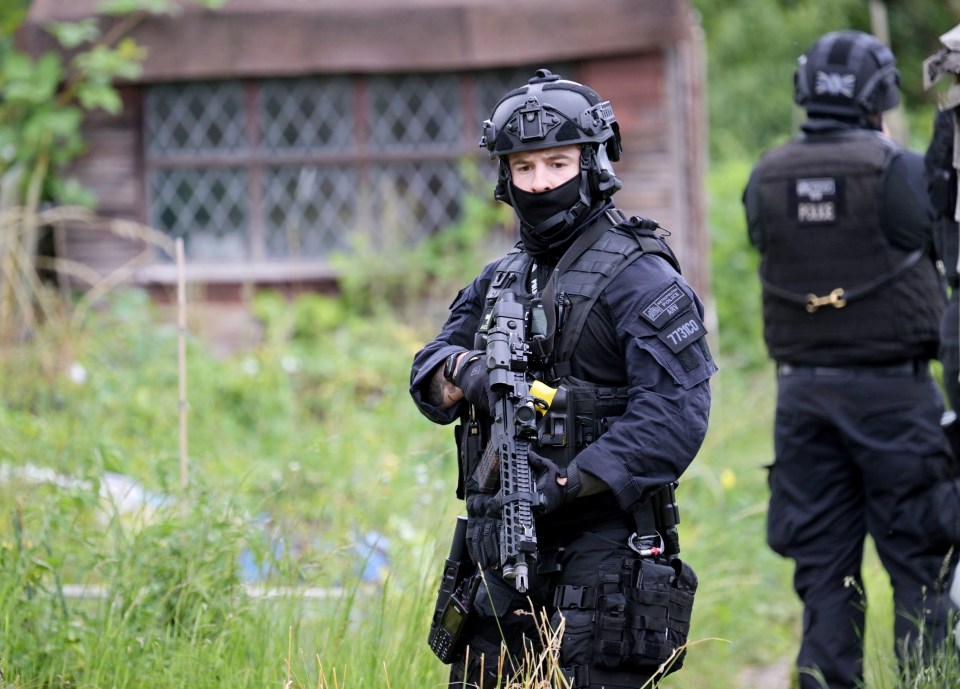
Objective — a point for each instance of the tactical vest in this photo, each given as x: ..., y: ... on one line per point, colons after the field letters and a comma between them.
x: 835, y: 291
x: 578, y: 285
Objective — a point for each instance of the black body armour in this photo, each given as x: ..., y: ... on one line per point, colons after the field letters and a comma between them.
x: 836, y: 291
x: 589, y: 409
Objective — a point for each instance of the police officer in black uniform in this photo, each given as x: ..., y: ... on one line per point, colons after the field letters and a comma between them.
x: 852, y: 302
x: 622, y: 335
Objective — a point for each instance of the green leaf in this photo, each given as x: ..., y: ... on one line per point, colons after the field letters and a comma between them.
x: 73, y: 34
x: 26, y: 81
x: 68, y: 191
x: 93, y: 95
x: 123, y: 7
x: 15, y: 66
x: 60, y: 122
x: 131, y: 56
x: 103, y: 64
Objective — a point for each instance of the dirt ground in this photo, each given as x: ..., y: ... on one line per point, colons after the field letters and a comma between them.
x: 776, y: 676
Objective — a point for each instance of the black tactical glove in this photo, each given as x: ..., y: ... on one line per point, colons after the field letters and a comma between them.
x: 471, y: 377
x: 483, y: 541
x: 483, y: 528
x: 547, y: 476
x: 484, y: 504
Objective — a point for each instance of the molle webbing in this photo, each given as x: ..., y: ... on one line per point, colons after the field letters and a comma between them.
x: 586, y: 279
x: 578, y: 283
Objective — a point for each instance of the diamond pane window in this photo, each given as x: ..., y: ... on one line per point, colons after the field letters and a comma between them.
x: 415, y: 111
x: 309, y: 210
x: 283, y: 170
x: 199, y: 117
x: 306, y: 114
x: 208, y: 208
x: 416, y: 200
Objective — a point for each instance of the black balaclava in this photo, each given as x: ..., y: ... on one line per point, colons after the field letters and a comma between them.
x: 550, y: 220
x: 534, y: 209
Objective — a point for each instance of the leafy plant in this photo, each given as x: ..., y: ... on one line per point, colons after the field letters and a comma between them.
x: 405, y: 277
x: 45, y: 100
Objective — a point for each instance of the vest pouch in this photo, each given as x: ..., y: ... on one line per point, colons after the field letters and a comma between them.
x: 577, y: 415
x: 594, y: 410
x: 469, y: 447
x: 643, y: 616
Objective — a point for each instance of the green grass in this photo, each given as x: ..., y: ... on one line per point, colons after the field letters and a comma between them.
x: 309, y: 441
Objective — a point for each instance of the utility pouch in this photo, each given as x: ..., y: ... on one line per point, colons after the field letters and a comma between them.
x: 667, y: 516
x: 453, y: 611
x: 643, y: 616
x: 469, y: 442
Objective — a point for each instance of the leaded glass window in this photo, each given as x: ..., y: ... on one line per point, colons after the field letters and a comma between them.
x: 279, y: 170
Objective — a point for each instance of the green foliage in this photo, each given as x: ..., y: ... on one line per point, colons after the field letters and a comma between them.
x: 752, y: 49
x: 163, y: 605
x: 12, y: 14
x: 168, y: 7
x: 400, y: 275
x: 46, y: 97
x: 735, y: 288
x: 298, y: 449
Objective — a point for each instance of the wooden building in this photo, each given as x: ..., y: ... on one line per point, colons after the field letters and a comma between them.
x: 269, y: 132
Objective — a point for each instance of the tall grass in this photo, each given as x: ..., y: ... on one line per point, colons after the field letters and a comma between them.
x: 315, y: 480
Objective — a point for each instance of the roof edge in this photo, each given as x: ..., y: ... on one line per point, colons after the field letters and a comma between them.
x: 244, y: 40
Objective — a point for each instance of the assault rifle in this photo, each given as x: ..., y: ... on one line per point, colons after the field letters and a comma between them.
x: 514, y: 426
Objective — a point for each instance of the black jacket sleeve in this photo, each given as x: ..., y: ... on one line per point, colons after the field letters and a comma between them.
x: 907, y: 214
x: 941, y: 175
x: 455, y: 335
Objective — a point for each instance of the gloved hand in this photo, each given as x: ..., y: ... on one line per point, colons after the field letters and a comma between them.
x: 555, y: 485
x: 484, y: 504
x: 483, y: 528
x: 471, y: 377
x: 483, y: 541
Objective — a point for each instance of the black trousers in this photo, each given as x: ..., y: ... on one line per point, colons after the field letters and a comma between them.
x: 512, y: 625
x: 856, y: 452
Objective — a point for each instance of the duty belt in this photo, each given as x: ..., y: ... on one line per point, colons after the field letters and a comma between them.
x: 589, y: 677
x: 902, y: 368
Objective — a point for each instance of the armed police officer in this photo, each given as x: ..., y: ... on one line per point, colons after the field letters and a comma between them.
x: 614, y: 330
x: 852, y: 302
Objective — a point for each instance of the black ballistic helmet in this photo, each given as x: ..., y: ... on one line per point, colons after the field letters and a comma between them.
x: 548, y: 112
x: 847, y: 74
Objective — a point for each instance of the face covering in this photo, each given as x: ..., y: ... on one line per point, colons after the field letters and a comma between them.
x: 535, y: 208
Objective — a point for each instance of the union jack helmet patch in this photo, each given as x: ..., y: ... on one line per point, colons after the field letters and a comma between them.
x: 834, y: 84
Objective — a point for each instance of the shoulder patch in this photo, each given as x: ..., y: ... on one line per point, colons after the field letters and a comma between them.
x: 666, y: 305
x: 682, y: 332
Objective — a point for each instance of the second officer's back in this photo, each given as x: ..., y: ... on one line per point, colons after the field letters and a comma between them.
x: 852, y: 302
